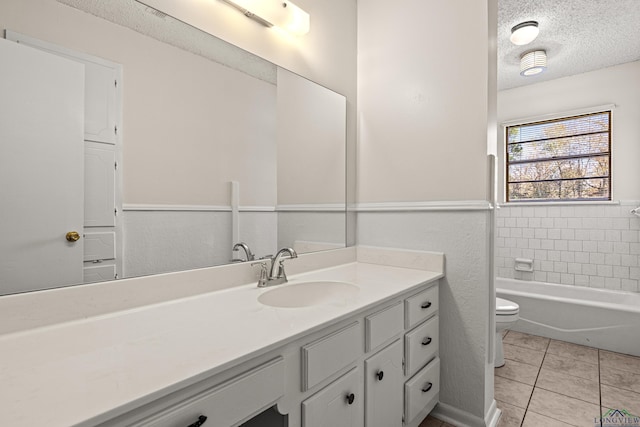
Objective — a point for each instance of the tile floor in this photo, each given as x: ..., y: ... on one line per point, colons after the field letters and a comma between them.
x: 549, y: 383
x: 553, y: 383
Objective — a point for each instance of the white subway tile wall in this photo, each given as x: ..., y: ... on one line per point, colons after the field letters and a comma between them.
x: 584, y: 245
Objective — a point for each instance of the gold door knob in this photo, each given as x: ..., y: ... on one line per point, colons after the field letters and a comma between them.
x: 72, y: 236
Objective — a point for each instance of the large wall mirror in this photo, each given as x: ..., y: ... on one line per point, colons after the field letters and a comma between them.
x: 182, y: 147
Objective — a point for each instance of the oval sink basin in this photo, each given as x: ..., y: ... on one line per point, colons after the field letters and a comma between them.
x: 306, y: 294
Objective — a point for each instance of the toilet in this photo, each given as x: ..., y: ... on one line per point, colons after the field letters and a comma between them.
x: 506, y: 316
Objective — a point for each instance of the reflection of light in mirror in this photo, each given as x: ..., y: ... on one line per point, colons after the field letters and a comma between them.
x: 298, y: 23
x: 275, y: 13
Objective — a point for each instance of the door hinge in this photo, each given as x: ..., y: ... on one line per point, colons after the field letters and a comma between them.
x: 115, y: 83
x: 116, y: 276
x: 115, y: 211
x: 115, y: 165
x: 115, y: 129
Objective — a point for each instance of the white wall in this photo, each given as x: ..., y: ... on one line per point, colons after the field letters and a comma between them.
x: 592, y: 245
x: 158, y: 242
x: 311, y: 142
x: 464, y: 293
x: 423, y: 101
x: 327, y: 54
x: 426, y: 97
x: 311, y: 230
x: 619, y: 85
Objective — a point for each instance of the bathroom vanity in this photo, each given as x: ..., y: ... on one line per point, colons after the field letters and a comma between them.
x: 364, y: 353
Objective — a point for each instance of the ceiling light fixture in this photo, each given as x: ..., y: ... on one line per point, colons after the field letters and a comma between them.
x: 533, y: 63
x: 524, y: 33
x: 275, y: 13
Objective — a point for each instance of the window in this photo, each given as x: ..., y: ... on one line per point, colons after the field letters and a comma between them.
x: 567, y: 159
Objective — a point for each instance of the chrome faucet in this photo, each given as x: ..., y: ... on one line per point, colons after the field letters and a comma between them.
x: 276, y: 275
x: 247, y: 251
x: 277, y: 265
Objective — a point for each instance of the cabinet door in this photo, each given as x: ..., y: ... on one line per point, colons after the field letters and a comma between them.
x: 383, y: 385
x: 337, y: 405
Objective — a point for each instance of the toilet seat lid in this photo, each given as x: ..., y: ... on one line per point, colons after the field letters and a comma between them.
x: 504, y: 307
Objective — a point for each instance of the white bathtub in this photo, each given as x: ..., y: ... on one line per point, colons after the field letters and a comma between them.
x: 599, y: 318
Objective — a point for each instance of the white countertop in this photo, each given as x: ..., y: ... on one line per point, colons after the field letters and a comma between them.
x: 68, y: 373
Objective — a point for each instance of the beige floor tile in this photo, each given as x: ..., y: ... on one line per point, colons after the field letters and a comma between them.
x: 532, y: 342
x: 512, y: 392
x: 565, y: 365
x: 563, y: 408
x: 431, y: 422
x: 569, y: 385
x: 518, y: 371
x: 620, y: 379
x: 617, y: 398
x: 532, y: 419
x: 512, y: 416
x: 574, y: 351
x: 523, y: 355
x: 620, y: 361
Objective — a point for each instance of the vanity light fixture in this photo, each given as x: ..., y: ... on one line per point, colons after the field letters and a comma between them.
x: 524, y: 33
x: 533, y: 63
x: 281, y: 14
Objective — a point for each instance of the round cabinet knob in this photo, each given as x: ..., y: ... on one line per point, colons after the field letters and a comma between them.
x: 380, y: 375
x: 72, y: 236
x: 350, y: 398
x: 427, y: 387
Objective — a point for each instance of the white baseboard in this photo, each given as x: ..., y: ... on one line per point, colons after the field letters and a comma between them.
x: 493, y: 416
x: 460, y: 418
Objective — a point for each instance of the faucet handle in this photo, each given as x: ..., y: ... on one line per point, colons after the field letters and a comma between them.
x: 262, y: 279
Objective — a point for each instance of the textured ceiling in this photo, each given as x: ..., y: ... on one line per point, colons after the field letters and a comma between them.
x: 578, y: 35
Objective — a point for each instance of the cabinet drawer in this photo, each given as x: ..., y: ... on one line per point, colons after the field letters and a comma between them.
x: 421, y: 345
x: 337, y: 405
x: 230, y: 402
x: 421, y: 306
x: 421, y: 390
x: 382, y: 326
x: 329, y: 354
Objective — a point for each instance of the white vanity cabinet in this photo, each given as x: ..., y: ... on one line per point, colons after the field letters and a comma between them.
x: 375, y: 368
x: 400, y: 365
